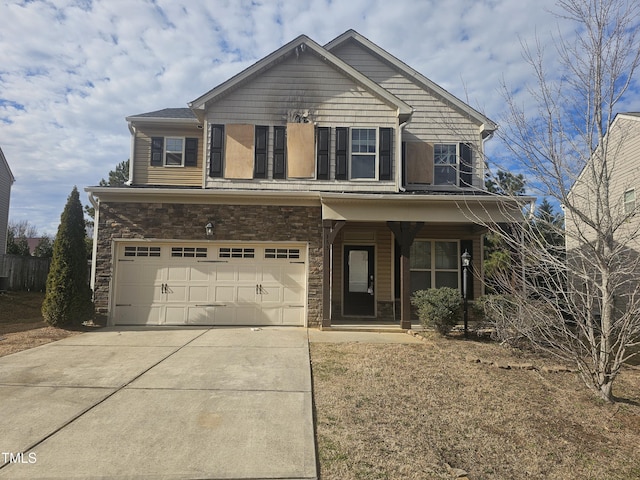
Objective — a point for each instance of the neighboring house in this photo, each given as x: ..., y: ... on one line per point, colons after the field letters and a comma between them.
x: 319, y: 184
x: 6, y: 180
x: 622, y: 142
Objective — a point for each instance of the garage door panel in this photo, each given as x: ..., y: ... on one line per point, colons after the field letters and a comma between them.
x: 224, y: 294
x: 247, y: 273
x: 246, y: 294
x: 271, y: 274
x: 177, y: 293
x: 199, y: 315
x: 199, y: 293
x: 179, y: 274
x: 174, y: 315
x: 139, y: 294
x: 293, y: 316
x: 199, y: 273
x: 224, y: 273
x: 293, y: 295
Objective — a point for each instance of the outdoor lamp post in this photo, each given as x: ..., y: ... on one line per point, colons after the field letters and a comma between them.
x: 466, y: 261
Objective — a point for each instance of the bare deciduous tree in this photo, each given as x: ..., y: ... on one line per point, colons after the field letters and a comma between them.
x: 583, y: 307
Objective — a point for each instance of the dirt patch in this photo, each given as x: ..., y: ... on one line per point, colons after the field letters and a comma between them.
x: 426, y: 411
x: 22, y: 326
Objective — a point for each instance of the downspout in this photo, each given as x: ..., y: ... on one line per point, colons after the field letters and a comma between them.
x: 401, y: 126
x: 95, y: 203
x: 132, y: 155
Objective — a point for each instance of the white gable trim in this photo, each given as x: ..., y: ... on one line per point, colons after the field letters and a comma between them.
x: 6, y: 166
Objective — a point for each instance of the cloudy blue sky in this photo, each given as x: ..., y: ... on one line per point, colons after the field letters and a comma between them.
x: 72, y: 70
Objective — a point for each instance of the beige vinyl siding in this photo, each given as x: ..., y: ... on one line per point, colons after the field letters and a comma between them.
x: 303, y: 83
x: 145, y: 174
x: 433, y: 121
x: 5, y: 196
x: 623, y: 160
x: 299, y: 84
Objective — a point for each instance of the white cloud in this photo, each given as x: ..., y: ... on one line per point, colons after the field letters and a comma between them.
x: 72, y: 70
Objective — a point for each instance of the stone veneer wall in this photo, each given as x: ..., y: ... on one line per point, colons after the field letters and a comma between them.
x: 164, y: 221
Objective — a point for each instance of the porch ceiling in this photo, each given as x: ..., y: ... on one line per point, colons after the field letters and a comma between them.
x: 480, y: 209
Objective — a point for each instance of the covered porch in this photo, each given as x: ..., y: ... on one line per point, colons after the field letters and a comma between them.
x: 378, y: 249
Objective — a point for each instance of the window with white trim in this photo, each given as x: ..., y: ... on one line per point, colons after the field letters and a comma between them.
x: 629, y: 201
x: 173, y: 151
x: 445, y: 164
x: 364, y: 158
x: 434, y: 264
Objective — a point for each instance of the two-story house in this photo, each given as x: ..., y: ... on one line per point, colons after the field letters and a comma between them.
x: 6, y: 180
x: 319, y: 184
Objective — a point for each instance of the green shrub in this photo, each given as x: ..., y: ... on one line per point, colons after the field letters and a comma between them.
x: 440, y: 308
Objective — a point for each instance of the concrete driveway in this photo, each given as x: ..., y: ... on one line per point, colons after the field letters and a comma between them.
x: 160, y: 403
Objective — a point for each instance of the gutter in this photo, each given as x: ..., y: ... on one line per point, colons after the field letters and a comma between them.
x: 399, y: 165
x: 95, y: 203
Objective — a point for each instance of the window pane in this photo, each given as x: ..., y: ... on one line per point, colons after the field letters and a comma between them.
x: 420, y: 281
x: 363, y: 140
x: 444, y: 175
x: 447, y: 279
x: 174, y: 151
x: 447, y: 255
x: 421, y: 255
x: 363, y: 166
x: 444, y: 154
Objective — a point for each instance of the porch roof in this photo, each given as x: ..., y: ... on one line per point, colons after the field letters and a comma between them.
x: 455, y: 208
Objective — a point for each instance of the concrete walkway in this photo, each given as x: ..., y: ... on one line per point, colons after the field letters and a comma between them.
x: 160, y: 403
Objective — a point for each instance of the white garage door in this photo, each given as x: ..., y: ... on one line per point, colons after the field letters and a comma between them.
x: 210, y: 284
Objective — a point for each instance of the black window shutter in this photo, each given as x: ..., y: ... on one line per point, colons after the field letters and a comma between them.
x: 216, y: 152
x: 385, y: 153
x: 465, y: 165
x: 191, y: 152
x: 260, y: 162
x: 467, y: 245
x: 322, y: 153
x: 279, y: 152
x: 157, y: 149
x: 342, y: 144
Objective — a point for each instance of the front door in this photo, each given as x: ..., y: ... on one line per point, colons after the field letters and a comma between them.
x: 359, y: 275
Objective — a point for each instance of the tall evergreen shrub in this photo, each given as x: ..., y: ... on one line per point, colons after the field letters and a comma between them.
x: 68, y: 298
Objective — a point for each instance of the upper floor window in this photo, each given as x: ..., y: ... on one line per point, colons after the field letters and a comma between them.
x: 174, y: 152
x: 629, y: 201
x: 452, y: 164
x: 445, y: 164
x: 363, y: 153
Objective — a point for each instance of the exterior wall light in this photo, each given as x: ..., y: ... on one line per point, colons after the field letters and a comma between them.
x: 466, y: 262
x: 209, y: 228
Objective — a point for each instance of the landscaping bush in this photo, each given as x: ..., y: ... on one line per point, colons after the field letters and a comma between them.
x: 440, y: 308
x: 501, y: 313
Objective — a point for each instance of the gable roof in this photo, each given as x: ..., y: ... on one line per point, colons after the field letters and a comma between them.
x: 3, y: 161
x: 296, y: 47
x: 351, y: 35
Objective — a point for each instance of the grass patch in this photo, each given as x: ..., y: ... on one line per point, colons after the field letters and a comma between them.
x: 419, y: 411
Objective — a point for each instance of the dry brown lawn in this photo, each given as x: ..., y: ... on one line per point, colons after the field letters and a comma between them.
x: 21, y: 323
x: 429, y: 411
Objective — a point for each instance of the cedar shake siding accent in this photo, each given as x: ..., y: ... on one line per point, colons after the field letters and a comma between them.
x: 234, y: 223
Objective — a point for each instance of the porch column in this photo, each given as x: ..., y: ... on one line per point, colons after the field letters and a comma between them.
x: 405, y: 233
x: 329, y: 232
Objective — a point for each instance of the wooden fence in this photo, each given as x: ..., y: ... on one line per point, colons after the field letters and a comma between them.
x: 23, y: 273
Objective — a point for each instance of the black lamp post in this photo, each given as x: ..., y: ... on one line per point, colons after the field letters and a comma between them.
x: 466, y: 261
